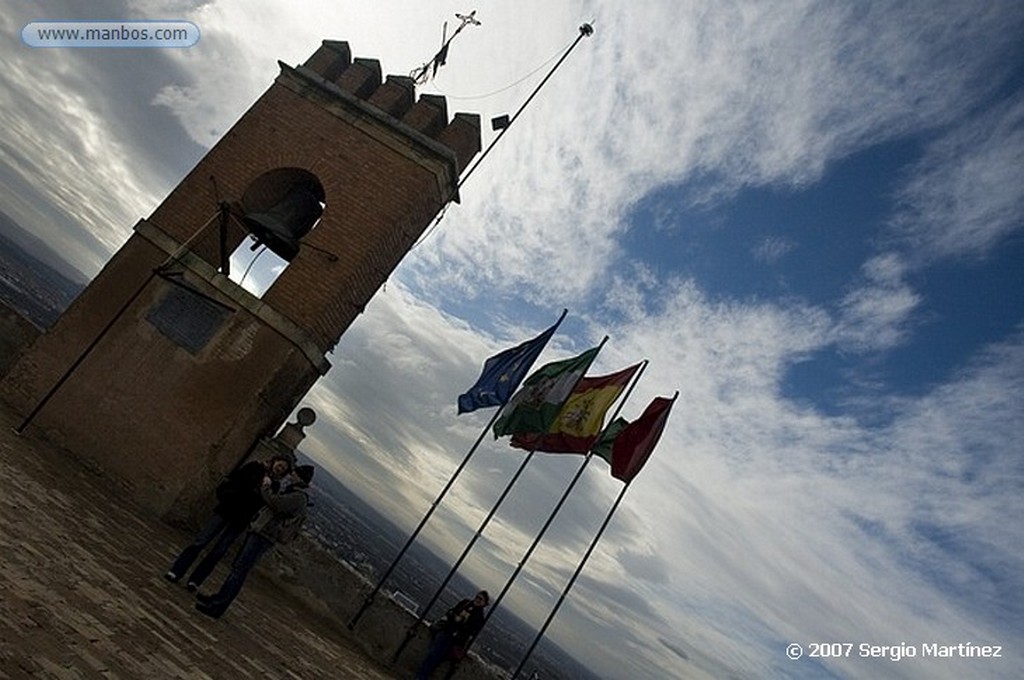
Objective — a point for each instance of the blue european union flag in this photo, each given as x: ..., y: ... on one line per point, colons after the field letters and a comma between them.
x: 503, y: 372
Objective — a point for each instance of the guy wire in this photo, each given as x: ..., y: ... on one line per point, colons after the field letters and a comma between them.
x: 510, y: 85
x: 586, y: 30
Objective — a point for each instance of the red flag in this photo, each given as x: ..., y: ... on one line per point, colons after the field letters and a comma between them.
x: 634, y: 444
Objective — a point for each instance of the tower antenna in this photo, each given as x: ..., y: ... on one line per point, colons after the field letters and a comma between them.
x: 502, y: 125
x: 429, y: 70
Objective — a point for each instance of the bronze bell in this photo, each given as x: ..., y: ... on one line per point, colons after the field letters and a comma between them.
x: 281, y: 226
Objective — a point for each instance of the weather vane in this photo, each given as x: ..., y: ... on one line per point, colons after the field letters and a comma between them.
x: 429, y: 69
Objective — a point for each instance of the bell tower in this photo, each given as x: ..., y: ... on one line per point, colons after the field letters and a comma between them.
x: 164, y: 373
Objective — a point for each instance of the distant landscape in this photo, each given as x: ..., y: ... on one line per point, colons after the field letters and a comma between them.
x: 356, y: 533
x: 33, y: 279
x: 39, y: 285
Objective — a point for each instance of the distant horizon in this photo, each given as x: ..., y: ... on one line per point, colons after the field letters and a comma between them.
x: 38, y: 248
x: 460, y: 586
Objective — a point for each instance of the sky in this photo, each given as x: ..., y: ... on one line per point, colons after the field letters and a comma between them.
x: 807, y: 216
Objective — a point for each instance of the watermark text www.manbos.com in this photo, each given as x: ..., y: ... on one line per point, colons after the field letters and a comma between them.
x: 110, y: 34
x: 894, y: 652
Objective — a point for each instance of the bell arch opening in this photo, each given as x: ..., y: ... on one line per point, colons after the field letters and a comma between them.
x: 279, y: 208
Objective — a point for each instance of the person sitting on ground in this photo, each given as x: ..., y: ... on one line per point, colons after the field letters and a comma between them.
x: 277, y: 522
x: 238, y: 501
x: 453, y: 632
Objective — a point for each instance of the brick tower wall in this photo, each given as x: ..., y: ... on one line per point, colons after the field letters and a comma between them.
x: 180, y: 371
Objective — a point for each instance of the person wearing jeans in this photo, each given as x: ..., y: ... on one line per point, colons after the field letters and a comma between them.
x: 238, y: 501
x: 281, y: 515
x: 217, y: 527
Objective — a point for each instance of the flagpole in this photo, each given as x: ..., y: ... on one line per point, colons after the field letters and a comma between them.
x: 572, y: 581
x: 558, y: 507
x: 411, y: 630
x: 585, y: 31
x: 368, y: 600
x: 172, y: 258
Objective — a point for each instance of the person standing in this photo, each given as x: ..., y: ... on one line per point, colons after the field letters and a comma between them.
x: 277, y: 522
x: 453, y: 632
x: 238, y: 501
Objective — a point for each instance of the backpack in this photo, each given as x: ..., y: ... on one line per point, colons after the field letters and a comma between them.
x: 289, y: 528
x: 279, y: 529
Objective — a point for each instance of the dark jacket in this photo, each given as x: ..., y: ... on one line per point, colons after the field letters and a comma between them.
x: 238, y: 496
x: 463, y: 622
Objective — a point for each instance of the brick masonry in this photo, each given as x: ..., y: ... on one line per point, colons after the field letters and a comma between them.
x: 168, y: 420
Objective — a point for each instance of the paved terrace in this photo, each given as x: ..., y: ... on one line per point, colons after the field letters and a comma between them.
x: 82, y: 593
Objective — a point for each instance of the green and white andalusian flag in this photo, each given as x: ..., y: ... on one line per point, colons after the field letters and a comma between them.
x: 536, y: 405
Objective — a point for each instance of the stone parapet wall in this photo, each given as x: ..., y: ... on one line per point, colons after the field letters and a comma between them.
x: 16, y: 333
x: 335, y: 591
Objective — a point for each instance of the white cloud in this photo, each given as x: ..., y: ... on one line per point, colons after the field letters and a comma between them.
x: 72, y: 135
x: 771, y: 249
x: 822, y: 529
x: 730, y: 96
x: 964, y: 198
x: 79, y: 165
x: 766, y: 511
x: 875, y: 316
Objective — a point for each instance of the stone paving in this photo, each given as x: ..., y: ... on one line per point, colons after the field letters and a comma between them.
x: 82, y: 593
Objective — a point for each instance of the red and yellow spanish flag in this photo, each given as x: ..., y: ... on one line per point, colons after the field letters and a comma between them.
x: 582, y: 416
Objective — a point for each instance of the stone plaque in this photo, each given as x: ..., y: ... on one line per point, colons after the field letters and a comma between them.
x: 187, y: 317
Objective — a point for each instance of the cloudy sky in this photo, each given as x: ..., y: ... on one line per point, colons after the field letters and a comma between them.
x: 808, y: 217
